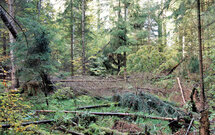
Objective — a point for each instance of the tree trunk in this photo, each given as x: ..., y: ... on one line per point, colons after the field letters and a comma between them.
x: 98, y: 14
x: 125, y: 55
x: 72, y: 38
x: 204, y: 120
x: 12, y: 40
x: 119, y: 40
x: 4, y: 53
x: 83, y: 37
x: 39, y: 8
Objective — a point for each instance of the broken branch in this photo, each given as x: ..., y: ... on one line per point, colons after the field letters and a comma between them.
x: 190, y: 125
x: 182, y: 92
x: 170, y: 72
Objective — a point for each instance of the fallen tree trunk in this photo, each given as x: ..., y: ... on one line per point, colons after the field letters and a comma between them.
x: 28, y: 123
x: 94, y: 106
x: 88, y: 80
x: 7, y: 22
x: 114, y: 114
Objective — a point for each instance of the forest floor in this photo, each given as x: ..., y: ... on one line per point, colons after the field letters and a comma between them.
x: 142, y: 97
x: 112, y: 85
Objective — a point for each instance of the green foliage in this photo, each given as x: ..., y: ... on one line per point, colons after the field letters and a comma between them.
x: 194, y: 64
x: 146, y: 59
x: 210, y: 85
x: 34, y: 60
x: 14, y: 112
x: 63, y: 93
x: 165, y: 83
x: 148, y: 103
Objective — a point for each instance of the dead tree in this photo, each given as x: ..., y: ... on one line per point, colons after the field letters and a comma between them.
x: 204, y: 120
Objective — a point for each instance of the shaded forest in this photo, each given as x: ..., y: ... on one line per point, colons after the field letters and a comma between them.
x: 107, y: 67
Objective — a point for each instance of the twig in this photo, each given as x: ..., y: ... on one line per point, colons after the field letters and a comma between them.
x: 182, y: 92
x: 191, y: 123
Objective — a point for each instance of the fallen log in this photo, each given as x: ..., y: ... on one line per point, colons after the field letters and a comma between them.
x: 28, y: 123
x: 7, y: 22
x: 88, y: 80
x: 114, y: 114
x: 95, y: 106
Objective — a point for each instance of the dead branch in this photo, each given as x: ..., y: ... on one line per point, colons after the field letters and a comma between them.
x: 113, y: 114
x: 28, y: 123
x: 170, y: 72
x: 190, y: 125
x: 94, y: 106
x: 182, y: 92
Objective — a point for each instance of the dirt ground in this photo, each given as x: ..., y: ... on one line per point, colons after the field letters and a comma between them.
x: 111, y: 85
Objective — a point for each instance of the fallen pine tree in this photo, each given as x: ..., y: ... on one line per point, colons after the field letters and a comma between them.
x: 116, y: 114
x: 150, y: 104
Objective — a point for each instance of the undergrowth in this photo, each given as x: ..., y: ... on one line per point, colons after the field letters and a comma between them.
x: 85, y: 123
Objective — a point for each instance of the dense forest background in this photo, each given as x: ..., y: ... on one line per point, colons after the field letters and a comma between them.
x: 50, y: 49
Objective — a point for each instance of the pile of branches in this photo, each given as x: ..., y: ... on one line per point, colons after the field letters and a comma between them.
x: 150, y: 104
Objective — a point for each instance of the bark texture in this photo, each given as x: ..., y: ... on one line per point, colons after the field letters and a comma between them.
x: 204, y: 120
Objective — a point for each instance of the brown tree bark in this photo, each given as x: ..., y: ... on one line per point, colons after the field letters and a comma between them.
x: 7, y: 22
x: 204, y: 120
x: 125, y: 54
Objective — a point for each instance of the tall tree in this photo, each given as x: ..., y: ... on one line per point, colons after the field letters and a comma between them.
x: 204, y: 120
x: 98, y: 14
x: 12, y: 40
x: 83, y: 37
x: 72, y: 37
